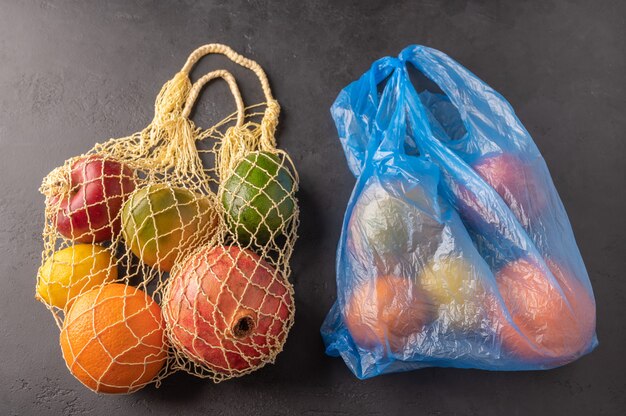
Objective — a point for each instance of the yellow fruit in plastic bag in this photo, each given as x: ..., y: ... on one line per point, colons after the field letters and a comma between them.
x: 458, y: 289
x: 449, y: 280
x: 73, y: 270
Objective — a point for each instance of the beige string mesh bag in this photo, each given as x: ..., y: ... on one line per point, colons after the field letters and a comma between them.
x: 124, y: 215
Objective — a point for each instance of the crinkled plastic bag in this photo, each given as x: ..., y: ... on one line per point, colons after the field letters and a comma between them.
x: 455, y: 250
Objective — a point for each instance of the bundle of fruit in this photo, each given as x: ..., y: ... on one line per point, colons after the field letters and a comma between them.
x: 147, y: 270
x: 418, y: 277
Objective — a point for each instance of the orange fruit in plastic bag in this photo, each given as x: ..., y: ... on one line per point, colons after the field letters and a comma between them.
x: 388, y: 309
x: 228, y: 310
x: 112, y: 339
x: 548, y: 324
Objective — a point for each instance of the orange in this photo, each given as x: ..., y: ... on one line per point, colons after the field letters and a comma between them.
x: 388, y: 310
x: 548, y: 325
x: 113, y: 339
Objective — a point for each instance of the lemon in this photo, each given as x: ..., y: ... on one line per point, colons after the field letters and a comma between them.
x: 73, y: 270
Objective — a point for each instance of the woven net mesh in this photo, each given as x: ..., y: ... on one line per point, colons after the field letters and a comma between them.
x: 169, y: 249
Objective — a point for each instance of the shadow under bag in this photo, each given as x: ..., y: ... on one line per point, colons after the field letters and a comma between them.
x: 455, y: 250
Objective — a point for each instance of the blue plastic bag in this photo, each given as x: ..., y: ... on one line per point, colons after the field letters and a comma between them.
x: 456, y: 250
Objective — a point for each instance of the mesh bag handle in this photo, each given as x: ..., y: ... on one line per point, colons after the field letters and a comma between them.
x: 243, y: 138
x: 194, y: 92
x: 272, y: 111
x: 218, y: 48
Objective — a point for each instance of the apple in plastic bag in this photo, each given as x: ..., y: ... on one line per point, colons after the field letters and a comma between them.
x: 515, y: 182
x: 87, y: 209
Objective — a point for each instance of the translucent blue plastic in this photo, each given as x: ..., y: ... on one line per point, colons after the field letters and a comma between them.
x: 456, y: 250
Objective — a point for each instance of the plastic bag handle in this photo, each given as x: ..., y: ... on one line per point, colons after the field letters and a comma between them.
x: 379, y: 71
x: 360, y: 98
x: 484, y: 111
x: 444, y: 72
x: 197, y: 86
x: 390, y: 121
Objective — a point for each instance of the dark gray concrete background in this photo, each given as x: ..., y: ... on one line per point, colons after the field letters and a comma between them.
x: 73, y: 73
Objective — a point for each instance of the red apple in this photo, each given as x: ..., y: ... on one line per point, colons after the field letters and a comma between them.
x: 228, y: 310
x: 87, y: 210
x: 548, y: 325
x: 516, y: 183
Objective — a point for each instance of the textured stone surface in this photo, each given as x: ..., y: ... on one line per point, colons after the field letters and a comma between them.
x: 72, y: 74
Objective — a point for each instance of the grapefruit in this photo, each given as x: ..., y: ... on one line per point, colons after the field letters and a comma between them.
x: 549, y: 323
x: 516, y: 183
